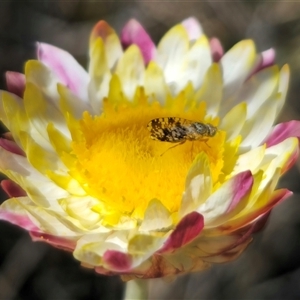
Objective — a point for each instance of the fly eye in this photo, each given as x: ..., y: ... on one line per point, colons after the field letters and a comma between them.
x: 200, y: 127
x: 212, y: 130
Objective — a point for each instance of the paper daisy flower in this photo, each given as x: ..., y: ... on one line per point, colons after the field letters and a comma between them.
x: 157, y: 160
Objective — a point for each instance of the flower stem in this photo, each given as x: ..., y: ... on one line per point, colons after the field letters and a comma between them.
x: 136, y: 290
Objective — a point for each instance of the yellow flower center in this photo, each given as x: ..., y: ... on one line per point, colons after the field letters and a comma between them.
x: 120, y: 164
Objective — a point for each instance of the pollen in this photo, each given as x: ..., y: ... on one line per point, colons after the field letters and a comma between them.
x: 119, y: 164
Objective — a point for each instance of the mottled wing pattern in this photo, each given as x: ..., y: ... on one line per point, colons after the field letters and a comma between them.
x: 172, y: 130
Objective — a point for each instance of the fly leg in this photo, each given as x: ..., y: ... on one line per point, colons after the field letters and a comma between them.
x: 205, y: 141
x: 173, y: 147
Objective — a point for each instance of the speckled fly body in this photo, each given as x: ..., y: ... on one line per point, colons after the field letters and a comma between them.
x: 179, y: 130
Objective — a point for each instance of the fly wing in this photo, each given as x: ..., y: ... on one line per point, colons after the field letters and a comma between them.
x: 169, y: 130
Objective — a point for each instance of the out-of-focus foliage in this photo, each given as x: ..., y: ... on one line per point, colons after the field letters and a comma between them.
x: 270, y: 268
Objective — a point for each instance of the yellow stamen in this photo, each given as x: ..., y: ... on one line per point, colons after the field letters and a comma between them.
x: 120, y: 164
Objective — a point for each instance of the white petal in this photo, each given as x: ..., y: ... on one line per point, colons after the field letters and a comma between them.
x: 37, y: 186
x: 80, y: 208
x: 195, y: 64
x: 11, y: 105
x: 198, y: 185
x: 170, y: 53
x: 249, y: 160
x: 141, y: 247
x: 98, y: 90
x: 47, y: 220
x: 41, y: 113
x: 157, y: 217
x: 237, y: 65
x: 100, y: 75
x: 284, y: 78
x: 228, y: 194
x: 259, y: 126
x: 234, y: 121
x: 131, y: 70
x: 90, y: 248
x: 155, y: 84
x: 275, y: 159
x: 276, y: 156
x: 211, y: 90
x: 258, y: 89
x: 72, y: 103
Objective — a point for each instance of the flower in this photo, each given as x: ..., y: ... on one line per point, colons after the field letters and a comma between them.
x: 84, y: 174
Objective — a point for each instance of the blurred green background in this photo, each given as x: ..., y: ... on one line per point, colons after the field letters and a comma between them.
x: 270, y: 267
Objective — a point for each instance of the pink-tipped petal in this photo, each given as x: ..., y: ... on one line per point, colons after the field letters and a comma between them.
x: 267, y: 59
x: 58, y: 242
x: 291, y: 161
x: 134, y: 33
x: 187, y: 229
x: 216, y: 49
x: 67, y: 69
x: 103, y: 271
x: 242, y: 185
x: 235, y: 249
x: 283, y: 131
x: 226, y: 198
x: 117, y: 261
x: 113, y: 47
x: 15, y: 83
x: 277, y: 197
x: 229, y: 255
x: 11, y: 146
x: 8, y: 136
x: 101, y: 29
x: 193, y: 28
x: 20, y: 220
x: 261, y: 222
x: 12, y: 189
